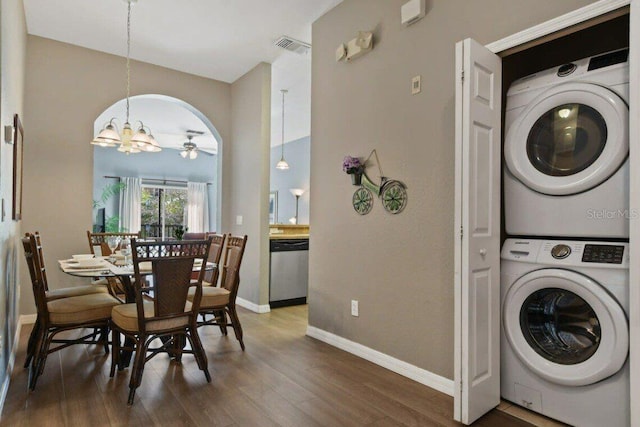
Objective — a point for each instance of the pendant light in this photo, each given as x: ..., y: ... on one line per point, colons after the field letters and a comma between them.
x: 282, y: 164
x: 128, y: 141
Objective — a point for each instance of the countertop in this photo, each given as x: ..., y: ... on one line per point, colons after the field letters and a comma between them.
x: 288, y: 236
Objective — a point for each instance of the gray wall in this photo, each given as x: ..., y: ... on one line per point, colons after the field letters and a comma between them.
x: 167, y: 164
x: 13, y: 43
x: 67, y: 87
x: 297, y: 154
x: 399, y: 267
x: 246, y: 171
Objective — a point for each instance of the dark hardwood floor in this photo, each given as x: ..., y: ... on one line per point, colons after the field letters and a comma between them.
x: 283, y: 379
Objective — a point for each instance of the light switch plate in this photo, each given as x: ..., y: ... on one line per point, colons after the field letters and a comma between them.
x: 238, y: 219
x: 416, y: 85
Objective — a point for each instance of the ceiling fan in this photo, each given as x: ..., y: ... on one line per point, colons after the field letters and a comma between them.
x: 190, y: 149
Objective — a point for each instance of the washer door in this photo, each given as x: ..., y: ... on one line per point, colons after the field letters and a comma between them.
x: 570, y: 139
x: 565, y: 327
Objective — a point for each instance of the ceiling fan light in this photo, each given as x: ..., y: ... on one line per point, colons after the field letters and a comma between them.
x: 193, y: 154
x: 184, y: 154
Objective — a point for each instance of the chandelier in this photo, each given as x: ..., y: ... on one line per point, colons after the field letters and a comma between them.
x: 282, y: 164
x: 127, y: 141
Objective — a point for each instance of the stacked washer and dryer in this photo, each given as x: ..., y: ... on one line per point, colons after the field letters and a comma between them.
x: 565, y: 266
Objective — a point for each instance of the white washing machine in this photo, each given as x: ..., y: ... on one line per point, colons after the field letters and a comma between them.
x: 565, y: 334
x: 566, y: 150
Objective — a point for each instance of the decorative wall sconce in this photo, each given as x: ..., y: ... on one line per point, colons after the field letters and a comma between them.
x: 355, y: 48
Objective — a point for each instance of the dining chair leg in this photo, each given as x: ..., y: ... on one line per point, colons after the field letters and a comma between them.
x: 138, y: 368
x: 31, y: 345
x: 115, y: 351
x: 104, y: 338
x: 36, y: 361
x: 235, y: 321
x: 198, y: 352
x: 221, y: 320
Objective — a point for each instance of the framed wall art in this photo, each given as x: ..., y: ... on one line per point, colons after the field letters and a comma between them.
x: 18, y: 140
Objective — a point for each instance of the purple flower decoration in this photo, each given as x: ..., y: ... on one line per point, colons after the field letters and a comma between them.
x: 352, y: 165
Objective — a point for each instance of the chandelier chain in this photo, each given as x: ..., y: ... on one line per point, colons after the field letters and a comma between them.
x: 128, y: 54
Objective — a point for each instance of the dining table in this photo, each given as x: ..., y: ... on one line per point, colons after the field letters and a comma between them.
x: 111, y: 268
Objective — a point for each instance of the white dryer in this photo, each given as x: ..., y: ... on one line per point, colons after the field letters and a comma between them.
x: 565, y: 334
x: 566, y: 150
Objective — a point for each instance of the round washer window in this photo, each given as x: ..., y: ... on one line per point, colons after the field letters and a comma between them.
x: 560, y: 326
x: 566, y: 139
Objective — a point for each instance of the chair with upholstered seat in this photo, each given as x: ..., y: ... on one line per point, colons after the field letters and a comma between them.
x: 54, y: 294
x: 168, y: 315
x: 61, y: 314
x: 221, y: 301
x: 215, y: 253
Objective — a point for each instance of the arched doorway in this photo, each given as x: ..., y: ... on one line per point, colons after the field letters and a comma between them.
x: 171, y: 121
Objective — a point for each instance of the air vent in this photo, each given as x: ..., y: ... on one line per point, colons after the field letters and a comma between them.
x: 194, y: 132
x: 293, y: 45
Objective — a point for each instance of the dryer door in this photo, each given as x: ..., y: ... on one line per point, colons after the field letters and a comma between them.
x: 569, y: 139
x: 565, y: 327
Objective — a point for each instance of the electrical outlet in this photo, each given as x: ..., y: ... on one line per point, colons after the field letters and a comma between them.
x: 416, y: 85
x: 354, y: 308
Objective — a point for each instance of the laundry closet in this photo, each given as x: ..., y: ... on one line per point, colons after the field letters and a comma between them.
x: 575, y: 369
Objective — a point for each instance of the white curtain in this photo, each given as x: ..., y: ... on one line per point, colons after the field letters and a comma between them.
x: 197, y: 207
x: 130, y: 211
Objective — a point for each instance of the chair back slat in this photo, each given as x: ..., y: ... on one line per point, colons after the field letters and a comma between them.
x: 171, y: 266
x: 35, y: 262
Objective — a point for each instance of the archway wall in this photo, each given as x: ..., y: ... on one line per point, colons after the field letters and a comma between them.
x: 67, y: 87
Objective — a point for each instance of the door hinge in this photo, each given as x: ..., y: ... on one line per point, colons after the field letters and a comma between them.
x: 461, y: 232
x: 462, y: 76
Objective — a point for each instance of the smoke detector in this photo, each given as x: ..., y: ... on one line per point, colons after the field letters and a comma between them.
x: 293, y: 45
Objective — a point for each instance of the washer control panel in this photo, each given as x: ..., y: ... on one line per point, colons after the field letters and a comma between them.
x: 606, y: 254
x: 567, y: 253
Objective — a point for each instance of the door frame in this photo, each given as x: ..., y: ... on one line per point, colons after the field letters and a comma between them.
x: 562, y: 25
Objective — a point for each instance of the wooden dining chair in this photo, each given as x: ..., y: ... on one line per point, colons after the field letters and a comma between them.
x: 98, y: 241
x: 215, y: 254
x: 168, y: 316
x: 98, y: 246
x: 221, y: 301
x: 54, y: 294
x: 62, y: 314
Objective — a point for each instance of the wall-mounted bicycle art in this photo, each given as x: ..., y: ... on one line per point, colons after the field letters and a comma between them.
x: 392, y: 192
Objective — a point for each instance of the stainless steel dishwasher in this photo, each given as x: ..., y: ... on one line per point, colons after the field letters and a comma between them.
x: 289, y: 278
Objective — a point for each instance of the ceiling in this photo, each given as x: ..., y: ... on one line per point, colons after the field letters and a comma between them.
x: 218, y: 39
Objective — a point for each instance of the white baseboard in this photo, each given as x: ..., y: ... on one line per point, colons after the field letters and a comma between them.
x: 265, y: 308
x: 27, y: 319
x: 12, y: 358
x: 405, y: 369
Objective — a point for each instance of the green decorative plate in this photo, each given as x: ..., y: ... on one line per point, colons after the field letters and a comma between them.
x: 362, y: 201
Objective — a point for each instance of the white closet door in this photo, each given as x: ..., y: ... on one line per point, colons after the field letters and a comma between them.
x: 477, y: 251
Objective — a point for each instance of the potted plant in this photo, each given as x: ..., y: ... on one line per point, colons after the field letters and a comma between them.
x: 179, y: 232
x: 354, y: 167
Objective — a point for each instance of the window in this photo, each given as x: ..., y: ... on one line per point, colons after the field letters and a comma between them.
x: 163, y: 210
